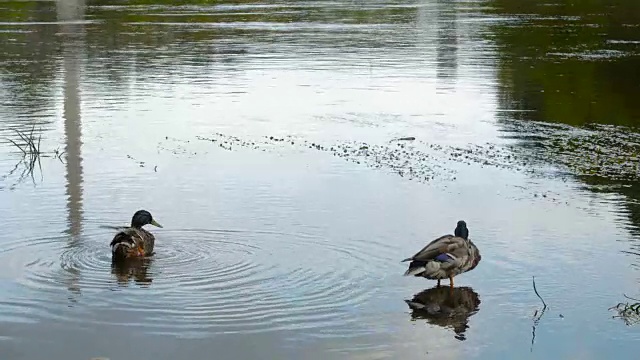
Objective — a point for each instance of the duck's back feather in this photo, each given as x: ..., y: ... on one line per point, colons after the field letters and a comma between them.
x: 444, y: 256
x: 149, y: 242
x: 126, y: 240
x: 446, y: 244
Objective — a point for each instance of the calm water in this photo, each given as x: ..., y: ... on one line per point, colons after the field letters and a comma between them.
x: 261, y: 135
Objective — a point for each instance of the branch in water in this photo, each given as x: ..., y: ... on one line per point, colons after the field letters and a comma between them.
x: 537, y: 316
x: 536, y: 291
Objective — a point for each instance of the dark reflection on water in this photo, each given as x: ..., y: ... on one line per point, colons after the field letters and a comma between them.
x: 136, y: 270
x: 73, y: 46
x: 445, y: 307
x: 28, y: 72
x: 447, y: 42
x: 575, y: 65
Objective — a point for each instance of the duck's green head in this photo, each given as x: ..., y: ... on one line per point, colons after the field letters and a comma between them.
x: 142, y: 218
x: 461, y: 230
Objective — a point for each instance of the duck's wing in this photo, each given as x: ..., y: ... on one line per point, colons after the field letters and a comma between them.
x: 120, y: 237
x: 129, y: 236
x: 473, y: 257
x: 148, y: 241
x: 446, y: 244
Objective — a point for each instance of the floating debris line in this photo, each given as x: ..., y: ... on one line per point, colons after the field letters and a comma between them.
x: 590, y: 154
x: 405, y: 160
x: 405, y: 156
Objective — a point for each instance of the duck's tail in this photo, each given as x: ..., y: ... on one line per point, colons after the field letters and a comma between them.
x: 422, y: 268
x: 119, y: 252
x: 416, y: 268
x: 121, y: 246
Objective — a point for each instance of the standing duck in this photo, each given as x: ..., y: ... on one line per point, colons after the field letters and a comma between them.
x: 134, y: 241
x: 445, y: 257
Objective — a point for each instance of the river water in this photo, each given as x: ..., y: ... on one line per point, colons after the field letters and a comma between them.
x: 264, y: 137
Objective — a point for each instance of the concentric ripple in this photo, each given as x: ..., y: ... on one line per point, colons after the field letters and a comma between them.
x: 199, y: 282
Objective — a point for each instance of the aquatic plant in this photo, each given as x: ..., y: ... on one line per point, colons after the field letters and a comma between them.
x: 29, y: 146
x: 629, y: 312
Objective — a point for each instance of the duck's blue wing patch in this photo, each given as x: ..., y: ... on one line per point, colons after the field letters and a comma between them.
x: 443, y: 258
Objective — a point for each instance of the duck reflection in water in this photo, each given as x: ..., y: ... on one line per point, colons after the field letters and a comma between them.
x: 446, y: 307
x: 135, y: 268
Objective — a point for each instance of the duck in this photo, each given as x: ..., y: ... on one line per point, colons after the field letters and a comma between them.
x: 134, y: 241
x: 445, y: 257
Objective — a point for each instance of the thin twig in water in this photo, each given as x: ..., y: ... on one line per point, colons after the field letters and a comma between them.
x: 630, y: 298
x: 536, y: 291
x: 22, y: 136
x: 31, y: 137
x: 408, y: 138
x: 18, y: 146
x: 536, y: 319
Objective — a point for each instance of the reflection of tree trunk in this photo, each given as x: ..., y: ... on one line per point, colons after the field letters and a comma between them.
x: 73, y: 48
x: 70, y: 10
x: 447, y: 42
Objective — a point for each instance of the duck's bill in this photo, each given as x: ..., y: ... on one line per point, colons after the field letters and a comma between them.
x: 155, y: 223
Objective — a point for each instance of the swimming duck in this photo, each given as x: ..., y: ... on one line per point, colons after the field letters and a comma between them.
x: 445, y: 257
x: 134, y: 241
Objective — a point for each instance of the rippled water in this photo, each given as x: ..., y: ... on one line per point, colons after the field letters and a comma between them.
x: 270, y: 140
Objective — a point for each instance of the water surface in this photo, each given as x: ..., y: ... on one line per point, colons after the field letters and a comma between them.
x: 263, y: 137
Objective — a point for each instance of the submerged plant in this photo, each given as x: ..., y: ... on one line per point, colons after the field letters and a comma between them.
x: 29, y: 146
x: 629, y: 312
